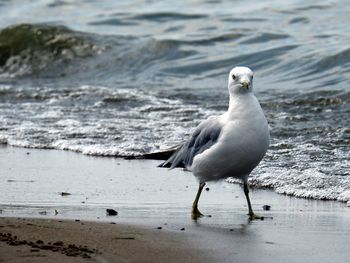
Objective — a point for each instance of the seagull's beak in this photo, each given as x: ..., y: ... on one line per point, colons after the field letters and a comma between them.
x: 245, y: 84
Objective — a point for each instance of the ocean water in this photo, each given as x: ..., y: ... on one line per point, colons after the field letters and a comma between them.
x: 128, y: 78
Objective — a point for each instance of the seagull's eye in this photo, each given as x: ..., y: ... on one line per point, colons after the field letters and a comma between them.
x: 233, y: 77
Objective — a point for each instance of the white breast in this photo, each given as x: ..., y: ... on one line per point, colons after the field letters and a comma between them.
x: 242, y: 144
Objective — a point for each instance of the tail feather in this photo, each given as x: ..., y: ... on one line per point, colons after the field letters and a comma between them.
x: 173, y: 161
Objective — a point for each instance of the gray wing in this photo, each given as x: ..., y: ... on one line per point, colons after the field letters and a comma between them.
x: 204, y: 136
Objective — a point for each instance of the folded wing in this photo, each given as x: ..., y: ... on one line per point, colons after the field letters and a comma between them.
x: 204, y: 136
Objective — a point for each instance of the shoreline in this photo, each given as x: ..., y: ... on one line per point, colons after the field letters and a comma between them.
x: 156, y: 203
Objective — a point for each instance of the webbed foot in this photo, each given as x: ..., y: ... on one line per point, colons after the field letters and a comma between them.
x: 253, y: 216
x: 196, y: 213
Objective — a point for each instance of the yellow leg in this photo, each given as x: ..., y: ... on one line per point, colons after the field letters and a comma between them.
x: 195, y: 212
x: 251, y: 214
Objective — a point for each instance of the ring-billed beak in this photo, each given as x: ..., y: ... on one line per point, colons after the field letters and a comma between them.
x: 245, y: 84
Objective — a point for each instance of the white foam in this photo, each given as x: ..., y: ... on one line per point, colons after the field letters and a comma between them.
x: 309, y: 183
x: 104, y: 121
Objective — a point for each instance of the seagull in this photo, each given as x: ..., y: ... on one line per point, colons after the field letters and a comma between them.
x: 229, y: 145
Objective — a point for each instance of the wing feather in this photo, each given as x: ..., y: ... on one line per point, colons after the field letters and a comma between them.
x: 204, y: 136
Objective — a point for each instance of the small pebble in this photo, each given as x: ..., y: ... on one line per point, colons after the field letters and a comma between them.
x: 266, y: 207
x: 159, y: 227
x: 182, y: 229
x: 111, y: 212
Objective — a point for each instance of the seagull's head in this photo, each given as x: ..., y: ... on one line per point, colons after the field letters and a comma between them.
x: 240, y: 80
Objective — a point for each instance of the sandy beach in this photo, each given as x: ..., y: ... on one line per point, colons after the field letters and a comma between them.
x: 46, y: 240
x: 53, y: 209
x: 93, y: 92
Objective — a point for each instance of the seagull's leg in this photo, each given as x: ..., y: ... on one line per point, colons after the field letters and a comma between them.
x: 195, y: 211
x: 251, y: 214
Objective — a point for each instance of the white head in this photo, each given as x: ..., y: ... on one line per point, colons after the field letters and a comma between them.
x: 240, y: 80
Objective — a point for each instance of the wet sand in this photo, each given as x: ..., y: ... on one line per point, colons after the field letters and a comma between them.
x: 153, y: 222
x: 47, y: 240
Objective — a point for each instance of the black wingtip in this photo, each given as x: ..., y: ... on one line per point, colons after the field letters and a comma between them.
x: 164, y: 165
x: 165, y: 155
